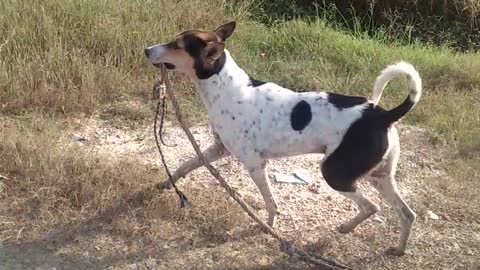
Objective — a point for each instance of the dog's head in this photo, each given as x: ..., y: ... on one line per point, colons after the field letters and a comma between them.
x: 199, y: 54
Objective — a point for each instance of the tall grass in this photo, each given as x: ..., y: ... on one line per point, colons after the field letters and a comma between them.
x: 443, y: 23
x: 73, y: 56
x: 455, y: 10
x: 307, y: 56
x: 66, y: 55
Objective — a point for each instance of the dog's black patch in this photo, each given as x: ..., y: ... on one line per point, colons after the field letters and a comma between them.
x: 255, y: 83
x: 342, y: 102
x: 362, y: 147
x: 301, y: 115
x: 395, y: 114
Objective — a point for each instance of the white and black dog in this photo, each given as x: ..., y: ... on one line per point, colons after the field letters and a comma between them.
x: 256, y: 121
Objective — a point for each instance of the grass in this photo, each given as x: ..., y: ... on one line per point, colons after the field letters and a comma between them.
x: 62, y: 60
x: 51, y: 185
x: 321, y: 58
x: 71, y: 56
x: 445, y: 23
x: 56, y: 183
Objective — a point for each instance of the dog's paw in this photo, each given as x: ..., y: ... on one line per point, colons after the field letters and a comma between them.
x: 345, y: 228
x: 395, y: 251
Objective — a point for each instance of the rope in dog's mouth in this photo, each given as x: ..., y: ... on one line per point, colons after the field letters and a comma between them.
x: 159, y: 92
x: 286, y: 246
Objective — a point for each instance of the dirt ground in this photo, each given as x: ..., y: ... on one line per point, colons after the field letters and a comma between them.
x: 214, y: 233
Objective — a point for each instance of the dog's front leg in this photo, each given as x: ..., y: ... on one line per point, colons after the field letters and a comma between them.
x: 214, y: 152
x: 259, y: 175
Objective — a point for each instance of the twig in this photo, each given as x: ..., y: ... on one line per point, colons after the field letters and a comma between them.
x: 3, y: 177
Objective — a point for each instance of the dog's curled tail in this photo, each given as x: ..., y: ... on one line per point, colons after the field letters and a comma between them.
x: 414, y: 87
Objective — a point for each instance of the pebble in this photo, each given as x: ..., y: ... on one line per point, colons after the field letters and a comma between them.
x: 432, y: 215
x: 377, y: 219
x: 78, y: 138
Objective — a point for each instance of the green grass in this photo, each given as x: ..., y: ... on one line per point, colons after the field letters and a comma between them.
x: 304, y: 55
x: 70, y: 57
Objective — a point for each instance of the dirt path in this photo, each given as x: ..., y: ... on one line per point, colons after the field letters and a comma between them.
x: 215, y: 234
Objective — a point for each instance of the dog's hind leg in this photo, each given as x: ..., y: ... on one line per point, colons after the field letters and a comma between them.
x: 214, y: 152
x: 258, y: 172
x: 366, y: 209
x: 383, y: 179
x: 336, y: 172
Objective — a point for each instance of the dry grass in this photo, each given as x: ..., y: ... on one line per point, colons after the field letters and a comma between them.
x: 81, y: 207
x: 53, y: 184
x: 50, y: 186
x: 70, y: 56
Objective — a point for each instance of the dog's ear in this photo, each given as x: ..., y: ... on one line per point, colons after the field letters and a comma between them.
x: 214, y: 51
x: 226, y: 30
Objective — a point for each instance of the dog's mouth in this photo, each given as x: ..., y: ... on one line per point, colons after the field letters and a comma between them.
x: 167, y: 65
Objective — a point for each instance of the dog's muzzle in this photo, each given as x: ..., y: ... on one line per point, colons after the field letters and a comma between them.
x: 149, y: 53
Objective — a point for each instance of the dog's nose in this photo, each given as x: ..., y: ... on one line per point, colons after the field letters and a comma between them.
x: 147, y: 52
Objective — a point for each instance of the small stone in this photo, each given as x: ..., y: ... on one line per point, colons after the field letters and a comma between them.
x: 447, y: 218
x: 432, y: 215
x: 150, y: 263
x: 132, y: 266
x: 78, y: 138
x: 313, y: 189
x: 377, y: 219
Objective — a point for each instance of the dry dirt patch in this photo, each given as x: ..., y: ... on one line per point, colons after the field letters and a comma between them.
x: 151, y: 232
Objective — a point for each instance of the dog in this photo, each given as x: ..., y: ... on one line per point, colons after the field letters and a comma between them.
x: 255, y: 121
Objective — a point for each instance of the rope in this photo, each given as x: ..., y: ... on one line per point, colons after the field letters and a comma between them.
x: 160, y: 85
x: 285, y: 245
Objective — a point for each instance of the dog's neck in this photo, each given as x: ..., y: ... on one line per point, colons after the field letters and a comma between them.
x: 230, y: 80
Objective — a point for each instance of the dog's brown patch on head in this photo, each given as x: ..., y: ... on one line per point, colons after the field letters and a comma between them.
x: 198, y: 53
x: 190, y: 35
x: 208, y: 36
x: 206, y: 49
